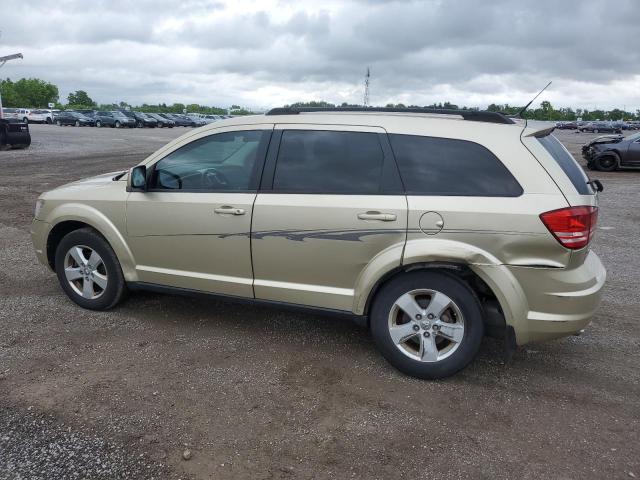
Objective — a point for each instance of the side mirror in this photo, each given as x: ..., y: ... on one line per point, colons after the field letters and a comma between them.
x: 138, y: 178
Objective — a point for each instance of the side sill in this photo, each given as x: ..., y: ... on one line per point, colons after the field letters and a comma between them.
x: 360, y: 320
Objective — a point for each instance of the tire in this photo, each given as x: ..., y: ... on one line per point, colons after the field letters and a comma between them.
x: 59, y: 123
x: 139, y: 124
x: 117, y: 124
x: 595, y: 130
x: 48, y: 121
x: 25, y: 120
x: 77, y: 123
x: 98, y: 123
x: 462, y: 319
x: 88, y: 240
x: 606, y: 163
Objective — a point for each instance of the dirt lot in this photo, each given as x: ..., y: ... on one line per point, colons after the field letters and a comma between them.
x: 262, y: 393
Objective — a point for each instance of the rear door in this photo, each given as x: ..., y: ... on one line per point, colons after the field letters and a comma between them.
x: 330, y: 202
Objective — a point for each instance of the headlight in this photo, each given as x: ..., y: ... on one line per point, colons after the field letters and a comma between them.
x: 39, y: 205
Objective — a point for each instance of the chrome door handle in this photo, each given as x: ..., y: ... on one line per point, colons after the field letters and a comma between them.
x: 227, y: 210
x: 383, y: 217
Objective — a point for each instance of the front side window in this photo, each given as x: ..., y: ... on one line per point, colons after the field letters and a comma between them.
x: 443, y: 166
x: 221, y: 162
x: 311, y: 161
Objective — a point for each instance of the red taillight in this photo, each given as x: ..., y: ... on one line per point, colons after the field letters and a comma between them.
x: 573, y: 227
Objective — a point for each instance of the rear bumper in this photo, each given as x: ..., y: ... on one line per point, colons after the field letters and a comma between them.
x: 546, y: 303
x: 560, y: 302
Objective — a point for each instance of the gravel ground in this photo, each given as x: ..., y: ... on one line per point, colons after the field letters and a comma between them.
x: 261, y: 393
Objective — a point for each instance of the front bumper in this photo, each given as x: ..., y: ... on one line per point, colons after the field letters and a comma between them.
x: 561, y: 302
x: 39, y: 234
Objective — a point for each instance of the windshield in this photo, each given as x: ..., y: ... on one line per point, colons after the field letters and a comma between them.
x: 634, y: 137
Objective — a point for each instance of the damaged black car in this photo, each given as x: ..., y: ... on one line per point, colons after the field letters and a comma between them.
x: 610, y: 152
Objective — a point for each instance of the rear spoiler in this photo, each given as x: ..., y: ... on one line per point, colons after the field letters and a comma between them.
x: 542, y: 132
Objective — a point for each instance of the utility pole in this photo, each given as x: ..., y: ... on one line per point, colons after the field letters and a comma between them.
x: 4, y: 60
x: 366, y: 88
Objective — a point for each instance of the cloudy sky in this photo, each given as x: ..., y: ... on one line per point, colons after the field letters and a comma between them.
x: 270, y: 52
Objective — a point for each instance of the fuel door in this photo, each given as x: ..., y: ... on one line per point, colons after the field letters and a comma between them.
x: 431, y: 223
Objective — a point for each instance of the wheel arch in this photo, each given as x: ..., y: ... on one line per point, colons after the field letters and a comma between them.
x: 68, y: 219
x: 610, y: 153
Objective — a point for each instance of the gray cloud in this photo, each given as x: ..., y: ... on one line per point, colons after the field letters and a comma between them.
x: 264, y: 53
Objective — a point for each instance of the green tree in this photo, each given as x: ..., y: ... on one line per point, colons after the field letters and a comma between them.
x: 80, y: 98
x: 28, y: 92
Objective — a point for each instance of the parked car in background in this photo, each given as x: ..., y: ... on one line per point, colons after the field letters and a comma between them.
x: 609, y: 152
x: 9, y: 113
x: 598, y: 127
x: 141, y: 119
x: 14, y: 134
x: 180, y: 120
x: 567, y: 125
x: 22, y: 114
x: 634, y: 125
x: 89, y: 112
x: 198, y: 120
x: 68, y: 117
x: 113, y: 119
x: 162, y: 121
x: 41, y: 116
x: 374, y: 215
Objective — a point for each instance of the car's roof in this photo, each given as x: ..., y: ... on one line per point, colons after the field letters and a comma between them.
x: 451, y: 126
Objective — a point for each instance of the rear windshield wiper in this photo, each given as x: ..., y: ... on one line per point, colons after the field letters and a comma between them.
x: 119, y: 176
x: 596, y: 184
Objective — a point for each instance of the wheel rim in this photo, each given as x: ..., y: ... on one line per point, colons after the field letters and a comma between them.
x: 77, y: 123
x: 426, y: 325
x: 607, y: 162
x: 85, y: 272
x: 117, y: 124
x: 98, y: 124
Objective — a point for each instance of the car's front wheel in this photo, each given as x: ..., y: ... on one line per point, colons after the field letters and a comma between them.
x: 427, y: 324
x: 88, y: 270
x: 117, y: 124
x: 59, y: 123
x: 606, y: 163
x: 77, y: 123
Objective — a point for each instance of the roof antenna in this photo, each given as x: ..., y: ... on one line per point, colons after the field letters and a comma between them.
x: 524, y: 109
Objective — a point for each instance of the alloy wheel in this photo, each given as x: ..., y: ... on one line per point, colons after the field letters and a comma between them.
x: 426, y: 325
x: 86, y: 272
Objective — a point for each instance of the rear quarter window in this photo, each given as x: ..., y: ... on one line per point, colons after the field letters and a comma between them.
x: 443, y: 166
x: 567, y: 163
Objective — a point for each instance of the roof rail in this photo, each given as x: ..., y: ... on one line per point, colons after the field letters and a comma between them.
x: 472, y: 115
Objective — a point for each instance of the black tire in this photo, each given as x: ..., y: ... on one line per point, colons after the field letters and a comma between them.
x: 606, y: 163
x: 48, y: 121
x: 458, y: 291
x: 25, y: 120
x: 595, y: 130
x: 116, y: 288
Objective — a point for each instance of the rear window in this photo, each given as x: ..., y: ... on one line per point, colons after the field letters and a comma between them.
x: 443, y: 166
x: 568, y: 164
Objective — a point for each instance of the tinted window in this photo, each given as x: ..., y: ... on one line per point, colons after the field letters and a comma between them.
x: 221, y: 162
x: 328, y: 162
x: 441, y: 166
x: 568, y: 164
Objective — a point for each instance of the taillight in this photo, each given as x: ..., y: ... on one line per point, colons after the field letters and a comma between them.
x: 573, y: 227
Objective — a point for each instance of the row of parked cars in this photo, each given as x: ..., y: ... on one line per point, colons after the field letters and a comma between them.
x: 599, y: 127
x: 112, y: 118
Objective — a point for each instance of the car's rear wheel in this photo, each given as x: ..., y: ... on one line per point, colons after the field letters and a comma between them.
x: 607, y: 163
x: 59, y: 123
x: 595, y: 130
x: 77, y: 123
x: 88, y: 270
x: 427, y: 324
x: 98, y: 123
x: 140, y: 125
x: 117, y: 124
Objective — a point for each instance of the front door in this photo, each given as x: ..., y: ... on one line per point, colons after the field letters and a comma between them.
x: 191, y: 228
x: 632, y: 158
x: 330, y: 203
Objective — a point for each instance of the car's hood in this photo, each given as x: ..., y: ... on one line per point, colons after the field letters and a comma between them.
x: 88, y: 183
x: 605, y: 139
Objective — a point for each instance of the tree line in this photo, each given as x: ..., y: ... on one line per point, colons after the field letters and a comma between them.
x: 37, y: 93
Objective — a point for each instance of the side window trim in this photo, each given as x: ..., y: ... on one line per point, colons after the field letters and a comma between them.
x: 255, y: 174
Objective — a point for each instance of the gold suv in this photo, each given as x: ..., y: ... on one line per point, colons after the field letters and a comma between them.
x: 434, y: 228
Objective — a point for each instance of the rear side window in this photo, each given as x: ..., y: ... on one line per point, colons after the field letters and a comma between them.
x: 311, y: 161
x: 568, y: 164
x: 442, y: 166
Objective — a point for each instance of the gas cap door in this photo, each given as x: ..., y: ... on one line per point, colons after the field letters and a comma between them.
x: 431, y: 223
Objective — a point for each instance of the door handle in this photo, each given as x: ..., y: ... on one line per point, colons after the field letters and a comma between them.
x: 383, y: 217
x: 228, y: 210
